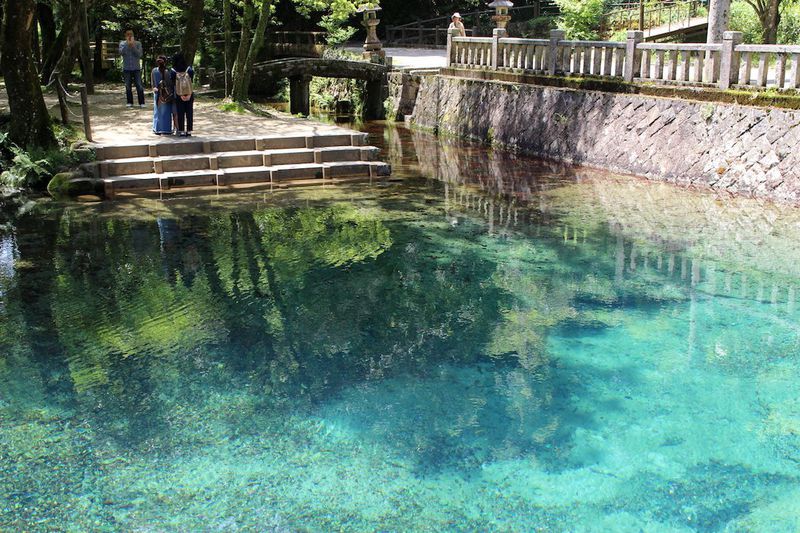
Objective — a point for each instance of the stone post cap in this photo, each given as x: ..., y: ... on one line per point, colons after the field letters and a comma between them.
x: 557, y: 34
x: 733, y: 36
x: 636, y: 34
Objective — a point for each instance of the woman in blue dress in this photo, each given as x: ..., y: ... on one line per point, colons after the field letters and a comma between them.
x: 164, y: 98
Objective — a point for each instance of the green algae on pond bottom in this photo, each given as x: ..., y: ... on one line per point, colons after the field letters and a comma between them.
x: 413, y: 357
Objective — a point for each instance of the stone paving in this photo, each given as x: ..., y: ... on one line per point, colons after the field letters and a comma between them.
x: 412, y: 58
x: 114, y: 123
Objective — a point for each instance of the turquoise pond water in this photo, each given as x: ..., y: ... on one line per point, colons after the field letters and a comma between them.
x: 492, y: 344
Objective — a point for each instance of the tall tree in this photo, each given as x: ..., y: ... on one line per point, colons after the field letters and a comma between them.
x: 191, y: 35
x: 30, y: 123
x: 226, y: 22
x: 241, y: 83
x: 769, y: 15
x: 67, y: 33
x: 47, y: 23
x: 84, y: 44
x: 244, y: 43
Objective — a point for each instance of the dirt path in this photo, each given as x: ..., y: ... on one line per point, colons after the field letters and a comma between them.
x: 114, y: 123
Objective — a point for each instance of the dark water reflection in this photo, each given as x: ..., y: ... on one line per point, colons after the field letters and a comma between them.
x: 494, y: 342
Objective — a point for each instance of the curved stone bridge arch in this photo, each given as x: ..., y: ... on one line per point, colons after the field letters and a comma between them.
x: 299, y: 71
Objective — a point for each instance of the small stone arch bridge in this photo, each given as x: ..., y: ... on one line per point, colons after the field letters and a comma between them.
x: 299, y: 71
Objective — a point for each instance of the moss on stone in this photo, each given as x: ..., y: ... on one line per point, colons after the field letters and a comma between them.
x: 755, y: 98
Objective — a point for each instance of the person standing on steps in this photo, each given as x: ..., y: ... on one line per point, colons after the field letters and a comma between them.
x: 163, y: 96
x: 131, y: 52
x: 456, y: 24
x: 183, y: 76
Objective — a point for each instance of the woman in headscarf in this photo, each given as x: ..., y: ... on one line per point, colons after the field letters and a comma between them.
x: 164, y: 97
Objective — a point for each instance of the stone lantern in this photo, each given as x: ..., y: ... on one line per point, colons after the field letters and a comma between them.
x: 501, y: 17
x: 372, y: 45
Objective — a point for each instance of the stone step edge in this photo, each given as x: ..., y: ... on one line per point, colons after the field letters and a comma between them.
x: 200, y: 191
x: 277, y: 151
x: 99, y: 169
x: 223, y: 177
x: 203, y: 144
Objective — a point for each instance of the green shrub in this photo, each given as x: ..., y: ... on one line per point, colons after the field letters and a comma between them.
x: 744, y: 19
x: 232, y: 107
x: 537, y: 28
x: 789, y: 27
x: 22, y: 169
x: 580, y: 18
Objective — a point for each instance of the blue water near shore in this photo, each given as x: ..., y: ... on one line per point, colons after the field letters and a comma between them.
x: 510, y: 347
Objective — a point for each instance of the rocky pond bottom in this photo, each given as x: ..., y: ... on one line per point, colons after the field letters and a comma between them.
x: 512, y: 346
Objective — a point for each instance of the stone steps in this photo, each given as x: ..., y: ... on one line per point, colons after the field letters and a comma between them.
x: 244, y: 175
x: 219, y: 162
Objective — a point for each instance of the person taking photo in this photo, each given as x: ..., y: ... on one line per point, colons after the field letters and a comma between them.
x: 130, y: 50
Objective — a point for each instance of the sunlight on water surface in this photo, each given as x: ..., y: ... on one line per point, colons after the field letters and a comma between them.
x: 495, y: 344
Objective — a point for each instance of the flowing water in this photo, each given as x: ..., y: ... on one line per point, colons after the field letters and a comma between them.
x: 494, y: 343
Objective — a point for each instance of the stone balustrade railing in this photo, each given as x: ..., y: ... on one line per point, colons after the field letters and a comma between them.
x: 724, y: 65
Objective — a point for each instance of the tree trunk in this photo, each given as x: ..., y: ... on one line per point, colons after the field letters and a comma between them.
x: 56, y: 51
x: 241, y: 89
x: 37, y: 53
x: 98, y: 50
x: 770, y: 22
x: 30, y: 123
x: 194, y: 23
x: 226, y: 16
x: 84, y: 45
x: 244, y: 47
x: 71, y: 49
x: 47, y: 23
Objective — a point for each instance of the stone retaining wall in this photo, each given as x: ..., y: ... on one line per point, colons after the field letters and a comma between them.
x: 744, y: 150
x: 403, y: 88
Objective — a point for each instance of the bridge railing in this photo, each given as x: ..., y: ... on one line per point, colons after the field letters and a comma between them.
x: 670, y: 16
x: 723, y: 65
x: 681, y: 63
x: 433, y: 32
x: 777, y: 66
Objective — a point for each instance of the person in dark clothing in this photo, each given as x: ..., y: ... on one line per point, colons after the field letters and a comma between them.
x: 183, y: 76
x: 131, y: 52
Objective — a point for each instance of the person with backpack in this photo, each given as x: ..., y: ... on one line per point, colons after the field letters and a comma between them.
x: 164, y: 97
x: 183, y: 76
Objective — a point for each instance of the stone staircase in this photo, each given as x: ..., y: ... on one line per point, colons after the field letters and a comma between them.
x: 208, y: 162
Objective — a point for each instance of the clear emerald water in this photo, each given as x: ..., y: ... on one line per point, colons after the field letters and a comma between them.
x: 493, y: 344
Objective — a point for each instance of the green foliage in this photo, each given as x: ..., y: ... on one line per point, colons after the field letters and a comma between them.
x: 24, y: 169
x: 537, y: 28
x: 336, y: 14
x: 744, y: 19
x: 232, y: 107
x: 325, y: 92
x: 580, y: 18
x: 789, y: 27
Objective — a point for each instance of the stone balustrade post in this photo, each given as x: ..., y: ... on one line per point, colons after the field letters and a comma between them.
x: 729, y: 59
x: 497, y: 34
x: 633, y: 56
x: 553, y: 63
x: 450, y: 34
